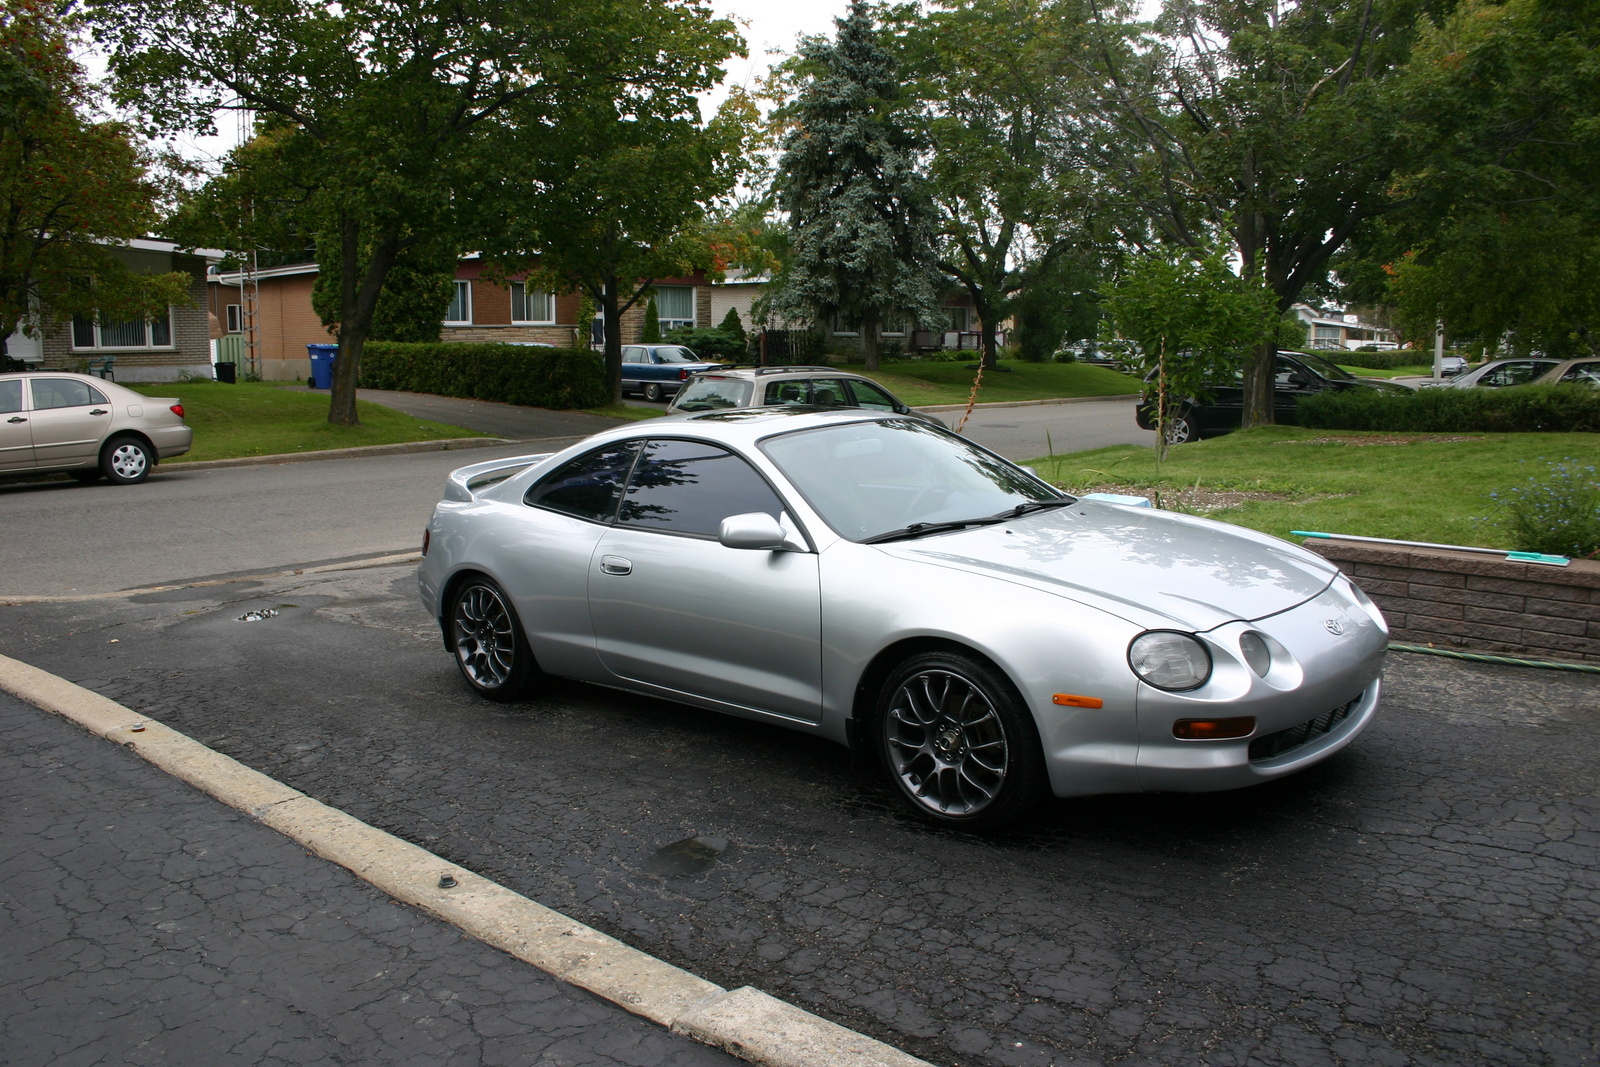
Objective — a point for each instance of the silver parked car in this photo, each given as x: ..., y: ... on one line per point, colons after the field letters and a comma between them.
x: 882, y: 582
x: 77, y: 423
x: 754, y: 387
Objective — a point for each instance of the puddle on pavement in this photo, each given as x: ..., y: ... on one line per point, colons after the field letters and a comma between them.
x: 692, y: 855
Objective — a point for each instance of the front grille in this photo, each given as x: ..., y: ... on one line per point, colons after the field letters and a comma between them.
x: 1271, y: 746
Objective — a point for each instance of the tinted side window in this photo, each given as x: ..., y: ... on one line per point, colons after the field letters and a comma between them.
x: 870, y: 396
x: 10, y: 396
x: 64, y: 393
x: 689, y: 488
x: 587, y: 487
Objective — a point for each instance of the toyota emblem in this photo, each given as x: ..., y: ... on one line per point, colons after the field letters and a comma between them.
x: 1335, y: 626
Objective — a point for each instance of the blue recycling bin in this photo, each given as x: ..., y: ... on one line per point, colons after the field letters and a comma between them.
x: 322, y: 357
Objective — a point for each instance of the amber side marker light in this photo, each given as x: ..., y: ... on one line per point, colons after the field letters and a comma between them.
x: 1214, y: 729
x: 1072, y: 700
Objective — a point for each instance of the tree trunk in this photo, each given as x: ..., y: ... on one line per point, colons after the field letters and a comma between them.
x: 611, y: 316
x: 1259, y: 386
x: 356, y: 306
x: 991, y: 348
x: 869, y: 342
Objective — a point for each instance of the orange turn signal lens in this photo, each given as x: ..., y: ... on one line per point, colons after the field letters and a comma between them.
x: 1214, y: 729
x: 1072, y: 700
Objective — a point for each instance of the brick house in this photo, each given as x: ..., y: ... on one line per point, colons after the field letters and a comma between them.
x: 160, y: 349
x: 480, y: 309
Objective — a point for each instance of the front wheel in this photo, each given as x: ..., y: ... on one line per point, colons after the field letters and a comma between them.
x: 958, y: 741
x: 652, y: 391
x: 126, y: 460
x: 489, y: 644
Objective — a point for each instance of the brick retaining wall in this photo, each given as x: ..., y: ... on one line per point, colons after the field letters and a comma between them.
x: 1478, y: 602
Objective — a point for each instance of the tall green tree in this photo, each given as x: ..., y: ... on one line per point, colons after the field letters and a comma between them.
x: 1279, y: 126
x: 619, y: 205
x: 69, y: 187
x: 863, y: 234
x: 1502, y: 241
x: 992, y: 77
x: 409, y: 124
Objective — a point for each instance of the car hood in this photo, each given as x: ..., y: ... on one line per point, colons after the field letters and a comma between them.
x: 1153, y: 568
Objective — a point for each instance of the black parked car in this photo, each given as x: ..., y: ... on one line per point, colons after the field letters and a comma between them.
x: 1297, y: 374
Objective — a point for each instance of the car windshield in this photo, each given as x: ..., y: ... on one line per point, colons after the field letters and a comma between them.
x: 676, y: 355
x: 1325, y: 367
x: 890, y: 478
x: 709, y: 394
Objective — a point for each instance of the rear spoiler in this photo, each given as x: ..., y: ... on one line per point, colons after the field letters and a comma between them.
x: 464, y: 483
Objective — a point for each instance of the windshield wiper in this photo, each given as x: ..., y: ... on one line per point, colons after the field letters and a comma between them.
x: 1031, y: 506
x: 922, y: 529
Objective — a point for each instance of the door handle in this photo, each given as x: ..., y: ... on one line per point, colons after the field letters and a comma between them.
x: 615, y: 565
x: 17, y: 418
x: 98, y: 411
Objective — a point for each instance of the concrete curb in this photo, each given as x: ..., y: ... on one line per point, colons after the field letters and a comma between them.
x: 387, y: 560
x: 1031, y: 403
x: 744, y: 1022
x: 405, y: 448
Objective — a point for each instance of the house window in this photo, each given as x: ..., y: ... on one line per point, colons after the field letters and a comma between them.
x: 675, y: 306
x: 842, y: 328
x: 134, y: 333
x: 960, y: 318
x: 235, y: 319
x: 460, y: 310
x: 894, y: 325
x: 532, y: 305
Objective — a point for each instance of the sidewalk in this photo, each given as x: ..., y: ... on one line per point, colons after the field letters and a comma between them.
x: 143, y: 922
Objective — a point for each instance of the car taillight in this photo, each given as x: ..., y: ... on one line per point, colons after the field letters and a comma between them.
x: 177, y: 409
x: 683, y: 375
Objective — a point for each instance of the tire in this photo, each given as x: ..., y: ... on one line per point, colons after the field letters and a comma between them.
x: 652, y: 391
x: 86, y: 476
x: 490, y: 648
x: 1181, y: 428
x: 126, y: 460
x: 958, y: 742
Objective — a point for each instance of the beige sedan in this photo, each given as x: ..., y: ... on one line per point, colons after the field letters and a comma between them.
x: 85, y: 427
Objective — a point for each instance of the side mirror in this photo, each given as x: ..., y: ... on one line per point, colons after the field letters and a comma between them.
x: 759, y: 531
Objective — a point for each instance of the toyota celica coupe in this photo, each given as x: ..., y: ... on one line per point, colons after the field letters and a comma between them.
x: 889, y: 585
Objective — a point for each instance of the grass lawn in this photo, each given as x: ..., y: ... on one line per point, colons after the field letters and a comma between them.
x: 1414, y: 487
x: 263, y: 419
x: 922, y: 384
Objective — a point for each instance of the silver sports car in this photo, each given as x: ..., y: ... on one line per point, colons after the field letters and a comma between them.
x: 884, y: 583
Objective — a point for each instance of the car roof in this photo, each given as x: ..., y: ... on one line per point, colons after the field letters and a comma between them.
x: 742, y: 426
x: 764, y: 372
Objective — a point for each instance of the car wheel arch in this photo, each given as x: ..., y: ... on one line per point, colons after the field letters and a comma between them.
x: 883, y: 664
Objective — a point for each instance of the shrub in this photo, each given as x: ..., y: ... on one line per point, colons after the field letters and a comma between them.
x: 1558, y: 514
x: 714, y: 345
x: 1407, y: 357
x: 513, y: 374
x: 1569, y: 408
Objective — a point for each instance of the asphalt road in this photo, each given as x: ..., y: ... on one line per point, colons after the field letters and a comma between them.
x: 1429, y: 897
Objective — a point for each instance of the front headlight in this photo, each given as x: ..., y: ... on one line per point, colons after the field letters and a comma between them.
x: 1170, y: 660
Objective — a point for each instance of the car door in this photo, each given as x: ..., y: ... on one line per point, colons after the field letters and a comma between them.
x: 16, y: 438
x: 69, y: 420
x: 672, y: 607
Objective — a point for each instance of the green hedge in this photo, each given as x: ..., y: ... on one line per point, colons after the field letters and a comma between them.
x: 513, y: 374
x: 1569, y: 408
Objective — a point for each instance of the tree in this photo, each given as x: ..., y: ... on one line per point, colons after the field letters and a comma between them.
x: 409, y: 125
x: 652, y: 322
x: 70, y: 188
x: 862, y: 228
x: 1188, y: 320
x: 1279, y: 125
x: 619, y: 205
x: 1503, y: 239
x: 992, y: 77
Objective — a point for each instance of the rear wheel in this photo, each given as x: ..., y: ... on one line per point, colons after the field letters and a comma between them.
x: 652, y: 391
x: 958, y: 741
x: 489, y: 644
x: 1181, y: 428
x: 126, y: 460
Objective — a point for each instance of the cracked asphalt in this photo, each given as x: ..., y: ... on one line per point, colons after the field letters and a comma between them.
x: 1428, y: 897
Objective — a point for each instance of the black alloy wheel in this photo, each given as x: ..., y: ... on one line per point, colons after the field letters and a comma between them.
x: 958, y: 741
x: 489, y: 644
